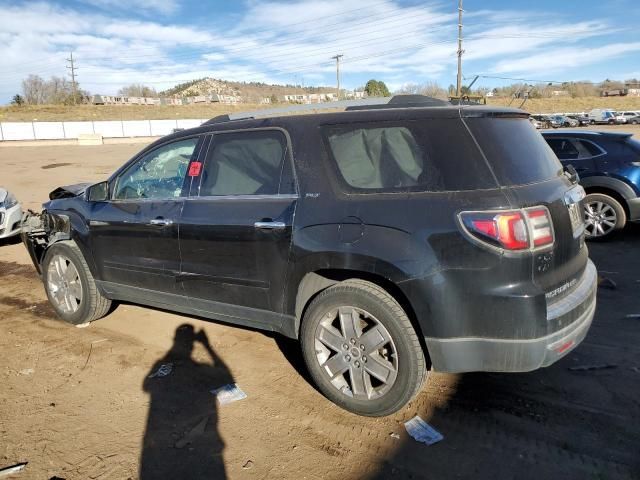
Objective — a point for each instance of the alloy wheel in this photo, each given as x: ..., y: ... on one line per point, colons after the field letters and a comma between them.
x: 600, y: 219
x: 63, y: 282
x: 356, y: 353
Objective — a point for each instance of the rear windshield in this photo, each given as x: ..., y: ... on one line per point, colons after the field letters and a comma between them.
x: 516, y: 152
x: 426, y: 155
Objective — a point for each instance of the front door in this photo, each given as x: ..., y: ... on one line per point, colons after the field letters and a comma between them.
x: 134, y: 235
x: 235, y: 228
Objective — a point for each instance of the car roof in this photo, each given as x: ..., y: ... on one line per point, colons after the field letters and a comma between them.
x: 587, y: 134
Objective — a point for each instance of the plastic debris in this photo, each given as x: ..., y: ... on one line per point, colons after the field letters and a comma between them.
x: 248, y: 464
x: 422, y: 431
x: 228, y: 393
x: 606, y: 282
x: 602, y: 366
x: 394, y: 435
x: 27, y: 371
x: 18, y: 467
x: 633, y: 315
x: 164, y: 370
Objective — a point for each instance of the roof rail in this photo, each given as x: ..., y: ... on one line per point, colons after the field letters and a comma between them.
x: 397, y: 101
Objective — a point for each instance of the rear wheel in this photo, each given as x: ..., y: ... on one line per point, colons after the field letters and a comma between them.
x: 70, y: 286
x: 603, y: 215
x: 361, y: 349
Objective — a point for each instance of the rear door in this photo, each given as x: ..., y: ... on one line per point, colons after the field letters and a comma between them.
x: 577, y: 152
x: 134, y: 235
x: 236, y: 225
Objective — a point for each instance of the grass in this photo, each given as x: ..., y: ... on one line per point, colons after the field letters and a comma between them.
x: 53, y: 113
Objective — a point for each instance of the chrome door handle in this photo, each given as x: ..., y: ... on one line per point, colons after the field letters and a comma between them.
x: 162, y: 222
x: 270, y: 225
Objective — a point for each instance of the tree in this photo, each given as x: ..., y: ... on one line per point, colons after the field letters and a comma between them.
x: 137, y: 90
x: 375, y: 88
x: 56, y: 90
x: 17, y: 99
x: 34, y: 90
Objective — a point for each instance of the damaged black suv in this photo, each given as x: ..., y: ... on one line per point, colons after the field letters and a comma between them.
x: 389, y: 239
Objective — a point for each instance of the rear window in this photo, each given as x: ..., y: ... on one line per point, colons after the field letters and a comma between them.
x: 427, y: 155
x: 516, y: 152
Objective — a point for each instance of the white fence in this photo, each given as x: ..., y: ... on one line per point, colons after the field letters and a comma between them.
x: 110, y: 128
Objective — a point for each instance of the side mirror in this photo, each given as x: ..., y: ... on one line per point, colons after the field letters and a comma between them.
x: 570, y: 172
x: 98, y: 192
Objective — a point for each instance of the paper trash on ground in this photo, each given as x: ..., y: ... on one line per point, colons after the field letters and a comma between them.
x: 422, y: 431
x: 228, y: 393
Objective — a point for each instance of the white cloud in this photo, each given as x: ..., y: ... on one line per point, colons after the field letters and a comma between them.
x: 164, y: 7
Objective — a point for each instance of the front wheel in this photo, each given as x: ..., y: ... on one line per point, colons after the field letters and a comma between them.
x: 70, y: 286
x: 603, y: 215
x: 361, y: 349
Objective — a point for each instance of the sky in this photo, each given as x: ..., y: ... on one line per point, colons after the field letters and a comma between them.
x: 163, y: 42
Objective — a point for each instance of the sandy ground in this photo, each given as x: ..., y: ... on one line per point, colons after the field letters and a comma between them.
x: 79, y: 403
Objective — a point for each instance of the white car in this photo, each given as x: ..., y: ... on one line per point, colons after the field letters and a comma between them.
x: 10, y: 214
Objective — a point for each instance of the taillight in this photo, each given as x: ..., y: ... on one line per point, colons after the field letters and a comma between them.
x: 511, y: 230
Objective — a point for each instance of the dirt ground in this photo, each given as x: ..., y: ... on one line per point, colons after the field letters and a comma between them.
x: 79, y: 403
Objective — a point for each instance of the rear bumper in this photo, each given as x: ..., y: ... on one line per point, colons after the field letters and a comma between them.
x: 521, y: 355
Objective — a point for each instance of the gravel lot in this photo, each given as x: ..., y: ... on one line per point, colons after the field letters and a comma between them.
x: 78, y: 403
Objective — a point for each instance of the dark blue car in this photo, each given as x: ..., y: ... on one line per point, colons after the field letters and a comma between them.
x: 609, y: 167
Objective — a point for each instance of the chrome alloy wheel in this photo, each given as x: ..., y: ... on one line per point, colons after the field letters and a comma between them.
x: 63, y: 282
x: 356, y: 353
x: 600, y: 219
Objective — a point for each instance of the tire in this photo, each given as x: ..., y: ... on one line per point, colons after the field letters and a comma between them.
x: 69, y: 285
x: 396, y: 355
x: 603, y: 215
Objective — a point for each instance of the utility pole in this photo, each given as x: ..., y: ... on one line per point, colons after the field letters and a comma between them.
x: 460, y: 50
x: 337, y: 58
x: 73, y: 69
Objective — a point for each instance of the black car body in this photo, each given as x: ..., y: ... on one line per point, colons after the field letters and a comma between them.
x: 461, y: 215
x: 609, y: 167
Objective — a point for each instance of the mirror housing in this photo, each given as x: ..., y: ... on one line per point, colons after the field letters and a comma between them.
x: 98, y: 192
x: 570, y: 172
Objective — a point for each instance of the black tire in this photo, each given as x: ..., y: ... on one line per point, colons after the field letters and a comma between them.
x: 92, y: 305
x: 411, y: 366
x: 613, y: 204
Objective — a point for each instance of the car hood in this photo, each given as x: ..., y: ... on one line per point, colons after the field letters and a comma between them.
x: 69, y: 191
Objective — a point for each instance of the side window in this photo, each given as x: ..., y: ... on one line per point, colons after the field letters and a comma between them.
x: 563, y: 148
x: 157, y: 175
x: 246, y: 163
x: 588, y: 149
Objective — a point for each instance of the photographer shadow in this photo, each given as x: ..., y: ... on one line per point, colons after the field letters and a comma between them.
x: 181, y: 439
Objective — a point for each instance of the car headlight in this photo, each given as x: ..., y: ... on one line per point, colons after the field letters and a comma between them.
x: 9, y: 201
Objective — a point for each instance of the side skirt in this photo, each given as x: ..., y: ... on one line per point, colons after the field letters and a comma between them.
x: 234, y: 314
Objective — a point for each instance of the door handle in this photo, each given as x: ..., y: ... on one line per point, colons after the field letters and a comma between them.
x: 270, y: 225
x: 161, y: 222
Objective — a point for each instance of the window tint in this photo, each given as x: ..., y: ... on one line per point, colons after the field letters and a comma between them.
x: 516, y: 152
x: 563, y: 148
x: 427, y: 155
x: 159, y: 174
x: 590, y: 147
x: 248, y: 163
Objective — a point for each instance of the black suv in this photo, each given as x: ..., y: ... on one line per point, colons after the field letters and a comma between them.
x: 388, y: 239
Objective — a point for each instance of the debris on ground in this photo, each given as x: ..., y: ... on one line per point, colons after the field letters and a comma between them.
x: 228, y: 393
x: 26, y: 371
x: 422, y: 431
x: 394, y: 435
x: 164, y: 370
x: 193, y: 434
x: 636, y: 369
x: 248, y: 464
x: 606, y: 282
x: 18, y: 467
x: 602, y: 366
x: 633, y: 315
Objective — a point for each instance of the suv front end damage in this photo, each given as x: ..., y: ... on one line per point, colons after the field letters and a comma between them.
x: 40, y: 230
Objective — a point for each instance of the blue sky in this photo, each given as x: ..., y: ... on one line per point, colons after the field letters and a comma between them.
x: 163, y: 42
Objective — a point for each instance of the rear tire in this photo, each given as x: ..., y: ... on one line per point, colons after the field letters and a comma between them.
x: 361, y: 349
x: 70, y: 286
x: 603, y: 216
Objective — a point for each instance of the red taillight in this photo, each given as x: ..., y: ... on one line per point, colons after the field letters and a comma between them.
x: 511, y: 230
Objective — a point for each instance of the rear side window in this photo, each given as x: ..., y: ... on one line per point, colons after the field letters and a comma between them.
x: 427, y: 155
x: 247, y: 163
x: 516, y: 152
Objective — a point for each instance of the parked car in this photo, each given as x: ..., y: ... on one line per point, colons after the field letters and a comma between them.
x: 543, y: 121
x: 373, y: 235
x: 563, y: 121
x: 609, y: 167
x: 600, y: 116
x: 537, y: 124
x: 10, y: 214
x: 583, y: 120
x: 631, y: 117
